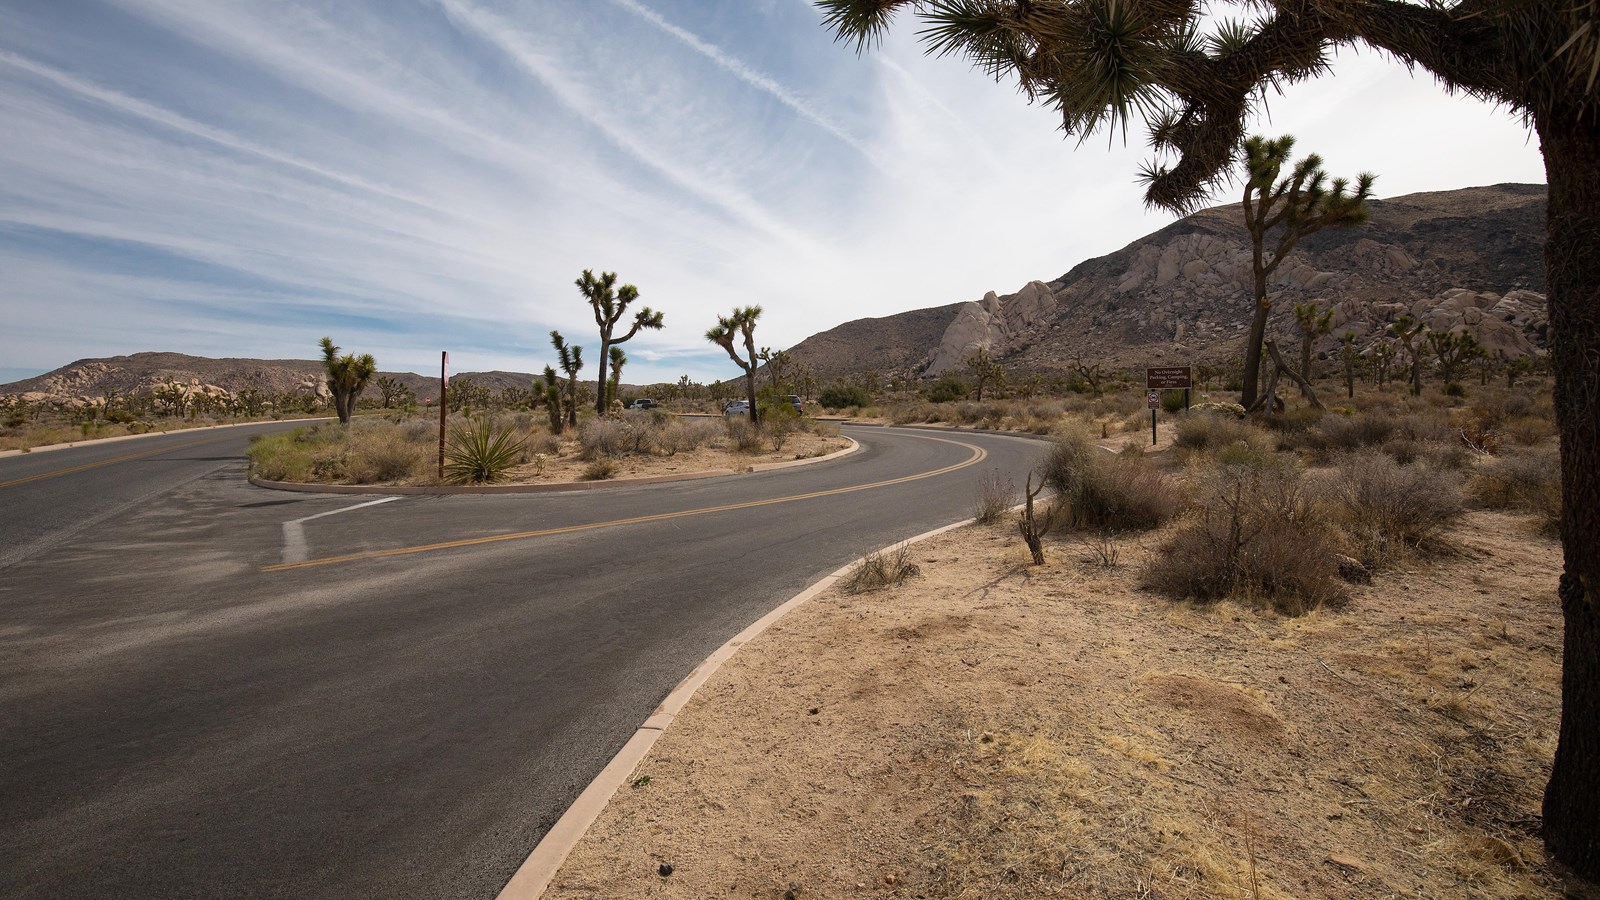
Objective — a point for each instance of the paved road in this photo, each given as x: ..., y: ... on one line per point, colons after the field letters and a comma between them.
x: 220, y: 691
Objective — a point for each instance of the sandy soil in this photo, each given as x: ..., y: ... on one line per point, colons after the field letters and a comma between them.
x: 991, y: 729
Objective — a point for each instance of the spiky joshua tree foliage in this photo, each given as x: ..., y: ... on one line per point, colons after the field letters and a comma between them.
x: 570, y: 358
x: 1196, y: 81
x: 347, y: 376
x: 740, y: 328
x: 610, y: 304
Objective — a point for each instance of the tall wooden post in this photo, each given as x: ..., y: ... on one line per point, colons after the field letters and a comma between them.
x: 444, y: 385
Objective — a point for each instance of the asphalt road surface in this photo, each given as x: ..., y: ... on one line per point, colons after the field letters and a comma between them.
x: 209, y: 689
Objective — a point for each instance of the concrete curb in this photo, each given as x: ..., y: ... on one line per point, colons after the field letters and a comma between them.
x: 46, y: 448
x: 552, y: 487
x: 536, y: 873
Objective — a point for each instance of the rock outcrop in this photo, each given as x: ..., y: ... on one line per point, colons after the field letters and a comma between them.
x: 990, y: 325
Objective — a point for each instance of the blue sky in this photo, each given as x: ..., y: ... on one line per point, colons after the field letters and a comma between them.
x: 409, y: 176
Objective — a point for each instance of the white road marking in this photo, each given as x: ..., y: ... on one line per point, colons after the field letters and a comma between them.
x: 294, y: 536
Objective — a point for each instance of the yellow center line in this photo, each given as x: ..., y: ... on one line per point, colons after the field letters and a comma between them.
x: 978, y: 455
x: 104, y: 462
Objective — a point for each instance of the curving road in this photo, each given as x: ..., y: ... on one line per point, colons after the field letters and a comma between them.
x: 209, y: 689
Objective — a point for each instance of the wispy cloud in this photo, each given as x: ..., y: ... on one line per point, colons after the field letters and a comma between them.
x: 231, y: 177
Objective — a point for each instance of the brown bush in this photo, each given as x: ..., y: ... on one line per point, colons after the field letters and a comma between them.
x: 1388, y: 509
x: 1529, y: 481
x: 1094, y: 489
x: 1255, y: 537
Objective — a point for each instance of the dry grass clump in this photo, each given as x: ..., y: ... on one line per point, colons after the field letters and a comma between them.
x: 1388, y: 509
x: 743, y: 436
x: 1256, y: 535
x: 881, y: 569
x: 996, y: 494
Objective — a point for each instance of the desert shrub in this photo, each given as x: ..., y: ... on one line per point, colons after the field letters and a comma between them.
x: 881, y: 569
x: 1364, y: 429
x: 419, y: 431
x: 1529, y: 431
x: 1172, y: 401
x: 1388, y: 509
x: 1233, y: 409
x: 599, y: 438
x: 1528, y: 481
x: 480, y: 452
x: 1255, y: 537
x: 1210, y: 432
x: 947, y: 389
x: 600, y: 469
x: 996, y: 494
x: 685, y: 435
x: 839, y: 396
x: 374, y: 454
x: 1121, y: 493
x: 546, y: 444
x: 743, y: 436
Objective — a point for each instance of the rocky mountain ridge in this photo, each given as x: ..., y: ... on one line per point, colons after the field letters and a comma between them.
x: 1469, y: 259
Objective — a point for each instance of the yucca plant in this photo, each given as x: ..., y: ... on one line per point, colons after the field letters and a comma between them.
x: 480, y: 453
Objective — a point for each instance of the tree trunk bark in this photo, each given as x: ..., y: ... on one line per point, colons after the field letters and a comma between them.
x: 750, y: 389
x: 1252, y: 348
x: 600, y: 403
x: 1571, y: 145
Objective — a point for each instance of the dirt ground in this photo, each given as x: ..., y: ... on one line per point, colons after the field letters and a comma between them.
x: 992, y: 729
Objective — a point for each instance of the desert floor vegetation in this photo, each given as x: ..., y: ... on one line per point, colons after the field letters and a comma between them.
x: 997, y: 729
x: 1315, y: 654
x: 638, y: 444
x: 44, y: 429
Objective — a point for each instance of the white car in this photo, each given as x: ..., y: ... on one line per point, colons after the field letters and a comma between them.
x: 737, y: 408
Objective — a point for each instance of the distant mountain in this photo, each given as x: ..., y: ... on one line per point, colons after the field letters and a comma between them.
x: 141, y: 373
x: 1470, y: 259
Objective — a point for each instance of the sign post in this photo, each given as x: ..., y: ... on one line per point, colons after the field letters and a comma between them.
x: 1166, y: 378
x: 444, y: 384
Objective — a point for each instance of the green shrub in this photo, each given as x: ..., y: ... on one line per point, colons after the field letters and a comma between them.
x: 947, y: 389
x: 480, y: 453
x: 1173, y: 401
x: 839, y: 396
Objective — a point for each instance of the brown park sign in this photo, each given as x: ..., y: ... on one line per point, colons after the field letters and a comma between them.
x: 1168, y: 377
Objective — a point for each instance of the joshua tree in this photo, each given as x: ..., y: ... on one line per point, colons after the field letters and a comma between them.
x: 1383, y: 353
x: 610, y: 303
x: 1348, y: 355
x: 741, y: 327
x: 391, y: 390
x: 1410, y: 332
x: 1519, y: 367
x: 570, y: 358
x: 347, y: 376
x: 1287, y: 209
x: 1314, y: 322
x: 1197, y: 79
x: 1452, y: 349
x: 552, y: 400
x: 984, y: 369
x: 618, y: 360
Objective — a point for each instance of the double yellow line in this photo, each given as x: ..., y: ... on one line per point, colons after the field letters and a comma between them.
x: 104, y: 462
x: 978, y: 455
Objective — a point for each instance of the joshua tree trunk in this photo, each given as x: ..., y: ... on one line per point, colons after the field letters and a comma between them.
x: 1571, y: 144
x: 1258, y: 333
x: 750, y: 394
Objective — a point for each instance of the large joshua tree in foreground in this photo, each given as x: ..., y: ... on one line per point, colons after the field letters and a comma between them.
x: 1108, y: 62
x: 347, y: 377
x: 610, y: 303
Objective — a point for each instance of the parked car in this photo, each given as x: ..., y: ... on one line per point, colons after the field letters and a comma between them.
x: 737, y: 408
x: 644, y: 403
x: 794, y: 401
